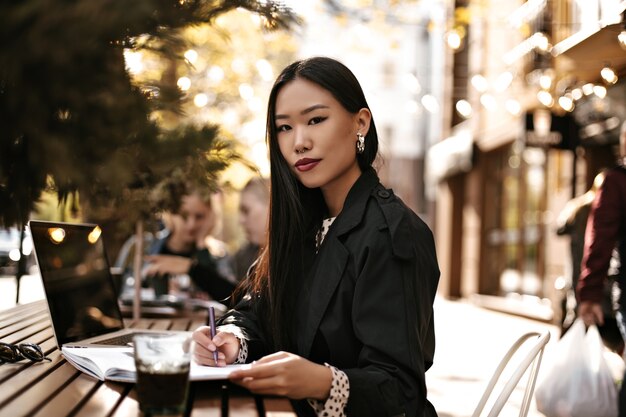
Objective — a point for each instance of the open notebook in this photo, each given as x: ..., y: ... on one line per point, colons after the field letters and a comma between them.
x: 118, y: 365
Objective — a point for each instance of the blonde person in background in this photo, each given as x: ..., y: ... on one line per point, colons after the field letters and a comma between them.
x: 254, y: 202
x: 186, y: 247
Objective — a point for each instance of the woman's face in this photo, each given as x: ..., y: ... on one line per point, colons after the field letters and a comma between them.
x: 195, y: 219
x: 317, y: 136
x: 253, y: 217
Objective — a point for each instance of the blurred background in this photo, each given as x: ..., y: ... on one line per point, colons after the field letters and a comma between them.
x: 492, y: 114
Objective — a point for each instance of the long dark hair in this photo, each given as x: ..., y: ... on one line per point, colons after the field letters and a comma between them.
x: 296, y: 212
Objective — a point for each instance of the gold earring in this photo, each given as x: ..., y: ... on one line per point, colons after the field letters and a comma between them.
x: 360, y: 143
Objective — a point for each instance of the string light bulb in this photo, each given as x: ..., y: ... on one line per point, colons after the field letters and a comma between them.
x: 480, y: 83
x: 464, y: 108
x: 184, y: 83
x: 621, y: 38
x: 191, y: 56
x: 200, y: 100
x: 430, y: 103
x: 545, y: 98
x: 600, y: 91
x: 488, y: 101
x: 454, y: 39
x: 566, y: 102
x: 588, y: 89
x: 608, y: 75
x: 545, y: 81
x: 542, y: 43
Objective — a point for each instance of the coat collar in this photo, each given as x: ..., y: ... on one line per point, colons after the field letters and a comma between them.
x: 356, y: 201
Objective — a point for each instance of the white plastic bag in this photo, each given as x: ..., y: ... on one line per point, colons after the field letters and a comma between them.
x: 579, y: 383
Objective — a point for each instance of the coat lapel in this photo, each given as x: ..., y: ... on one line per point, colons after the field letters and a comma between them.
x: 325, y: 278
x: 330, y: 263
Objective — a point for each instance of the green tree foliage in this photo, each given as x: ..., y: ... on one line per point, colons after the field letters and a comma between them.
x: 73, y: 121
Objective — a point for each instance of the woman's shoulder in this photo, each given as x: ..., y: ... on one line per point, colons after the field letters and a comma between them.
x: 402, y: 224
x: 392, y: 209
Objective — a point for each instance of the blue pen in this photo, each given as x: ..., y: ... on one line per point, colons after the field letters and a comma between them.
x: 212, y: 324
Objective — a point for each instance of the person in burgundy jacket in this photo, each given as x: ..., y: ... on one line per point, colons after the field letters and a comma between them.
x: 605, y: 251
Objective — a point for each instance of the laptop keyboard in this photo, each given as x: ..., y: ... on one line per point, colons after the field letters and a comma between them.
x: 122, y: 340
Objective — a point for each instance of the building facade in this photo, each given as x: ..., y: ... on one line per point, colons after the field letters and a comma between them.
x: 530, y: 122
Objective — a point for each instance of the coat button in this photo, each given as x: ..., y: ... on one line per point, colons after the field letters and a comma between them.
x: 383, y: 193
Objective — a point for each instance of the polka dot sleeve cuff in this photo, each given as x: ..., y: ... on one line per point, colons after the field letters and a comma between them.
x: 338, y: 398
x: 243, y: 351
x: 243, y: 344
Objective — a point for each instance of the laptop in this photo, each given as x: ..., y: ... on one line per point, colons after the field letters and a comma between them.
x: 79, y: 286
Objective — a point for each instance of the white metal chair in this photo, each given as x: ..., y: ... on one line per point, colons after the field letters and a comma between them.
x: 531, y: 360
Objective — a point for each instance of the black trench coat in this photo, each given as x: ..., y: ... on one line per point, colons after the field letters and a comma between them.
x: 367, y: 305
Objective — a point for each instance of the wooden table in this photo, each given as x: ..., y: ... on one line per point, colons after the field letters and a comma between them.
x: 56, y: 388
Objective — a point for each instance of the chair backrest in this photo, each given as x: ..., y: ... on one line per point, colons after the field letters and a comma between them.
x: 532, y: 360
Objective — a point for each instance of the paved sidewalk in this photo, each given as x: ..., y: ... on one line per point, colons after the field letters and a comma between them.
x: 470, y: 343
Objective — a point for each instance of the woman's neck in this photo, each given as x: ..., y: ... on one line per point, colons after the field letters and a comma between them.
x: 336, y: 191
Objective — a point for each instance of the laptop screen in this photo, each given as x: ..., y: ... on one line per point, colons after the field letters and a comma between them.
x: 76, y: 279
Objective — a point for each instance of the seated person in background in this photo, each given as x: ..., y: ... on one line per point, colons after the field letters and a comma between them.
x: 185, y: 247
x: 254, y: 204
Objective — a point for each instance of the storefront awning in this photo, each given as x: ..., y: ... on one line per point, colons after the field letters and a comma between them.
x: 586, y: 53
x: 451, y: 156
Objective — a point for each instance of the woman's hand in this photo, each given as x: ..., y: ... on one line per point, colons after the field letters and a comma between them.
x: 226, y: 345
x: 286, y: 374
x: 166, y: 264
x: 591, y: 313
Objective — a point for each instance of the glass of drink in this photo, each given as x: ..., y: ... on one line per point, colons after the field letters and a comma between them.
x: 162, y: 362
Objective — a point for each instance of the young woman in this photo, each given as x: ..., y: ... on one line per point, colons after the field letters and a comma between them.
x: 187, y: 247
x: 338, y: 313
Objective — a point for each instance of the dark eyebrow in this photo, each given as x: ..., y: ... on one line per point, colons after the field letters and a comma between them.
x: 305, y: 111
